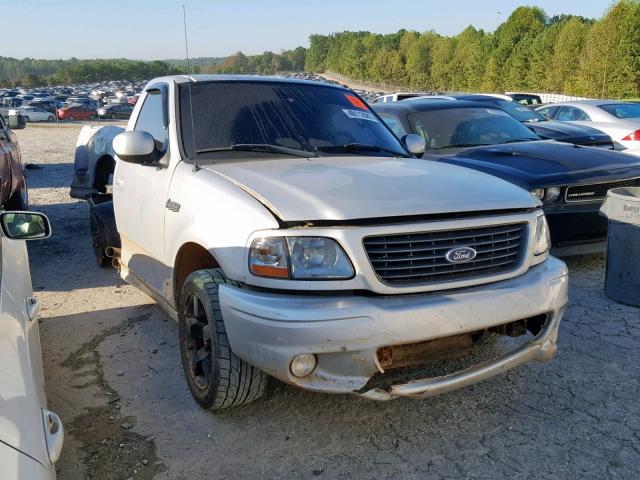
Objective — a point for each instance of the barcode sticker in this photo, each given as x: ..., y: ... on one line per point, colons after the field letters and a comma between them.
x: 359, y: 115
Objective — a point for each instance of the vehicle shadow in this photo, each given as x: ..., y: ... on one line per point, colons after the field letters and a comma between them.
x: 49, y: 175
x: 65, y: 261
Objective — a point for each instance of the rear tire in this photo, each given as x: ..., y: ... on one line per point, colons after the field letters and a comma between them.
x: 72, y: 118
x: 26, y: 119
x: 217, y: 378
x: 96, y: 241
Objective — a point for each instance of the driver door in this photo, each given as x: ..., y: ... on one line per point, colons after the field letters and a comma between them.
x: 140, y: 196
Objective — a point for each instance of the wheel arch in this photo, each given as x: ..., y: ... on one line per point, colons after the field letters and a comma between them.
x: 190, y: 257
x: 105, y: 166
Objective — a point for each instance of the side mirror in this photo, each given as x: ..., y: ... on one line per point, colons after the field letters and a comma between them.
x: 136, y: 147
x: 414, y: 143
x: 16, y: 122
x: 25, y: 225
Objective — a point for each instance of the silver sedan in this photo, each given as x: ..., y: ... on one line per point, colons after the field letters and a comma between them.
x: 620, y: 120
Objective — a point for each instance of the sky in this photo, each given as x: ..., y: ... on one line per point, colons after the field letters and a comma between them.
x: 153, y: 29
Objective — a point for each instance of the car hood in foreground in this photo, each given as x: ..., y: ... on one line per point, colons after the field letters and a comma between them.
x: 568, y: 132
x: 360, y: 187
x: 545, y: 163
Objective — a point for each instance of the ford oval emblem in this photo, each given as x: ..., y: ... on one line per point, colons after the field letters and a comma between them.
x: 461, y: 255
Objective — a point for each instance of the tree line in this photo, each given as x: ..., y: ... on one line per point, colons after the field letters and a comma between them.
x: 528, y: 52
x: 30, y: 72
x: 266, y: 63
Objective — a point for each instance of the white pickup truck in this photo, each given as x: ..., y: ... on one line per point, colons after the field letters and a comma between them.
x: 292, y: 235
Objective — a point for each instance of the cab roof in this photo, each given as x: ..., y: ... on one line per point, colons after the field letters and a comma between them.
x: 199, y: 78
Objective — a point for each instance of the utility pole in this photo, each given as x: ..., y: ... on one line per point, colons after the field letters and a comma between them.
x: 498, y: 20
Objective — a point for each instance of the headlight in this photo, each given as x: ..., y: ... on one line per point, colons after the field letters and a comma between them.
x: 542, y: 242
x: 299, y: 258
x: 547, y: 195
x: 551, y: 195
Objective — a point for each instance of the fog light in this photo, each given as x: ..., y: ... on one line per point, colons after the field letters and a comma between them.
x: 303, y: 364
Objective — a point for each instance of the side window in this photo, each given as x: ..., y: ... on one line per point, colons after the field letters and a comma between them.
x: 572, y: 114
x: 582, y: 116
x: 151, y: 117
x: 545, y: 112
x: 394, y: 125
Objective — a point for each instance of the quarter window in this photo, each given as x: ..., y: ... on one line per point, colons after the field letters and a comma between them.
x: 150, y: 118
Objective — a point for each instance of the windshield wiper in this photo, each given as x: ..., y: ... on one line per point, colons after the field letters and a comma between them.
x: 359, y: 147
x: 260, y: 147
x: 461, y: 145
x: 516, y: 140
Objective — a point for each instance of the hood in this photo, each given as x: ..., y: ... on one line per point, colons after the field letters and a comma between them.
x: 568, y: 132
x: 547, y: 163
x: 359, y: 187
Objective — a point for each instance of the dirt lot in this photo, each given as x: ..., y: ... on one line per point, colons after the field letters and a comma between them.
x: 113, y: 374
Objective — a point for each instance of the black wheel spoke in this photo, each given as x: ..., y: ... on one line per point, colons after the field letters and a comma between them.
x: 195, y: 328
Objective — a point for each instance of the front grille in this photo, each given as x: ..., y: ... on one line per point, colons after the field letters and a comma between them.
x: 598, y: 191
x: 420, y: 258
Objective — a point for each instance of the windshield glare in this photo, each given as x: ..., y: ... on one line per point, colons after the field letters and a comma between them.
x: 296, y: 116
x: 446, y: 128
x: 623, y: 110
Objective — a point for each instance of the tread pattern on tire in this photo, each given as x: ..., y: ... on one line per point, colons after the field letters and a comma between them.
x: 238, y: 382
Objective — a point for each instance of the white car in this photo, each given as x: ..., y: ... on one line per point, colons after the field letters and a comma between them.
x: 31, y: 436
x: 619, y: 120
x: 33, y: 114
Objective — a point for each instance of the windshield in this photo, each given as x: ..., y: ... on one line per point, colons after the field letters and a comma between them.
x: 519, y: 112
x: 468, y: 127
x: 318, y: 119
x: 623, y: 110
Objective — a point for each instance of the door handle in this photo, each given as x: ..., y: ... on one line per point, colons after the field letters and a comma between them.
x: 33, y: 308
x: 54, y: 434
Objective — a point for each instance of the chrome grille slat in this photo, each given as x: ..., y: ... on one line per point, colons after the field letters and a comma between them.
x: 419, y: 258
x: 441, y: 247
x: 431, y: 257
x: 442, y: 239
x: 444, y: 273
x: 447, y: 264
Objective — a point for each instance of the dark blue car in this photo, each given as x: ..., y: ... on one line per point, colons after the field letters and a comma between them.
x: 571, y: 180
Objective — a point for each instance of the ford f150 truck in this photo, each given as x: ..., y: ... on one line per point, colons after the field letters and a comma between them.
x: 291, y: 235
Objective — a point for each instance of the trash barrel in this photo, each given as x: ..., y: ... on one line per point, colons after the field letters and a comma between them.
x: 622, y: 208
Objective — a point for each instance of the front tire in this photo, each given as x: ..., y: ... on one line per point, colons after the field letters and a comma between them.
x: 50, y: 118
x: 27, y: 119
x: 217, y: 378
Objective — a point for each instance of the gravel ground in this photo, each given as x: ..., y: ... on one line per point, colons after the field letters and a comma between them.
x: 114, y: 375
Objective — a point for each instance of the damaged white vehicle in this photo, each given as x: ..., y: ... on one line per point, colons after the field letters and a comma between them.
x: 292, y: 235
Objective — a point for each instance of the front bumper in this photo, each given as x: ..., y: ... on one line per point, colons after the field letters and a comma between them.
x: 344, y: 332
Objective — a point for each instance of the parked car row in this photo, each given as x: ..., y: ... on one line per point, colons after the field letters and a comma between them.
x: 76, y: 102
